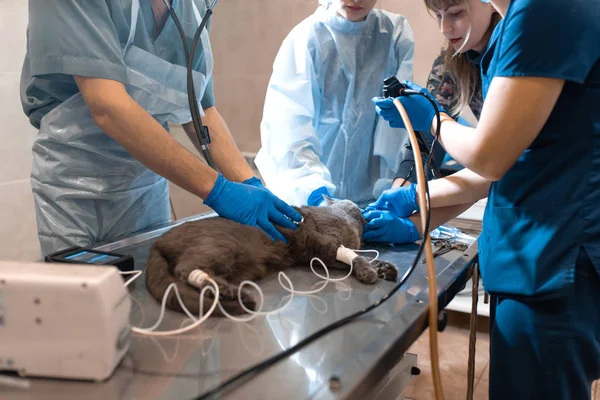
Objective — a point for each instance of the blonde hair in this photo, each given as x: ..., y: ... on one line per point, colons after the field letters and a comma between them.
x: 463, y: 72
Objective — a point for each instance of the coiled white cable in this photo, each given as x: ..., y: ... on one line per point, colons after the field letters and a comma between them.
x: 197, y: 278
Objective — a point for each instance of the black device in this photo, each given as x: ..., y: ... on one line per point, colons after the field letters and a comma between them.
x: 82, y: 255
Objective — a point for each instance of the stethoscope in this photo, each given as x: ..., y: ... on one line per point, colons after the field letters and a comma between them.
x: 202, y: 132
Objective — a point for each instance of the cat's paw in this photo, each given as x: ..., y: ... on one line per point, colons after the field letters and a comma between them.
x: 364, y: 271
x: 385, y: 270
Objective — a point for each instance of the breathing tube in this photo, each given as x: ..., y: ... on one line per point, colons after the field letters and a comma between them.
x: 202, y: 133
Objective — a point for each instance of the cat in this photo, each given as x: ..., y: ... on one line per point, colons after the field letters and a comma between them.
x: 230, y: 253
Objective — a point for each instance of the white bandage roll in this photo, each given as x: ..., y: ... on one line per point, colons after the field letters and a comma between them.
x: 345, y: 255
x: 196, y: 278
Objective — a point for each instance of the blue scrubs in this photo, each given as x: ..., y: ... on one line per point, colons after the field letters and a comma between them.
x: 540, y: 248
x: 82, y: 37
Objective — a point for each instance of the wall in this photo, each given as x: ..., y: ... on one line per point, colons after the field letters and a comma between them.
x: 18, y: 238
x: 246, y: 37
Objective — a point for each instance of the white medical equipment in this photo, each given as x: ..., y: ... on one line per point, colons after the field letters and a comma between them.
x: 62, y: 321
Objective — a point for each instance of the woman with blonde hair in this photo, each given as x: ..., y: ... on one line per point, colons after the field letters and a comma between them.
x: 455, y: 78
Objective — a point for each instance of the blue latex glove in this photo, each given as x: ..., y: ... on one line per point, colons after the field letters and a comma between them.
x: 401, y: 201
x: 316, y: 198
x: 254, y: 181
x: 383, y: 226
x: 418, y: 108
x: 251, y: 205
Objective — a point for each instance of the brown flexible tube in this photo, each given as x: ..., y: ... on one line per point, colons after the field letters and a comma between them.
x: 431, y: 275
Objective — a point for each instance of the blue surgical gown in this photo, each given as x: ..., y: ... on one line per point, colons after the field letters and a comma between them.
x: 319, y: 127
x: 84, y: 39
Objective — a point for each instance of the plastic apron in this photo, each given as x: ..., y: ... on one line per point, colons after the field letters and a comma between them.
x: 86, y: 187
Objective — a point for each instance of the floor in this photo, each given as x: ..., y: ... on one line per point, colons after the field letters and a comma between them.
x: 453, y: 348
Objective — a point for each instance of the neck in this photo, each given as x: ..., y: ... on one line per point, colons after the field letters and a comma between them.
x: 482, y: 45
x: 501, y: 6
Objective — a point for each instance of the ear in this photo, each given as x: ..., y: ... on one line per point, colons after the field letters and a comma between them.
x: 328, y: 200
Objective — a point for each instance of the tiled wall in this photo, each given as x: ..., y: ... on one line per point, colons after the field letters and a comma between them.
x: 246, y: 37
x: 18, y: 238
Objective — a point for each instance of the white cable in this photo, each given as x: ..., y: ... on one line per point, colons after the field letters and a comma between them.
x: 197, y: 322
x: 197, y: 278
x: 136, y: 274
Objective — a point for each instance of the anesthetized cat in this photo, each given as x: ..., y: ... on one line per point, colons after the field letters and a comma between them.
x: 230, y: 253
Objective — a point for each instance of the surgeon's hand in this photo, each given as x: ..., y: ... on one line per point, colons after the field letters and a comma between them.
x: 320, y: 198
x: 251, y: 205
x: 383, y: 226
x: 401, y: 201
x: 420, y: 111
x: 254, y: 181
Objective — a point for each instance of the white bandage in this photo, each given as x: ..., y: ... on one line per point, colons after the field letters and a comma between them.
x: 345, y: 255
x: 196, y: 278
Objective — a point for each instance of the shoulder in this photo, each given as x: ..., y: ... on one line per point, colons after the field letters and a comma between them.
x: 395, y: 23
x: 309, y: 35
x: 549, y: 38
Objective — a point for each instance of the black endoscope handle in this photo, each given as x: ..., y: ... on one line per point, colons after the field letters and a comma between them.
x: 392, y: 87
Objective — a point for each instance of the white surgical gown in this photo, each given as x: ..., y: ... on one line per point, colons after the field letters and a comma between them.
x: 319, y: 128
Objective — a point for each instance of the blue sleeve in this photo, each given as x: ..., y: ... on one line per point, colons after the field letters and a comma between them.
x: 549, y: 39
x: 208, y: 100
x: 74, y: 37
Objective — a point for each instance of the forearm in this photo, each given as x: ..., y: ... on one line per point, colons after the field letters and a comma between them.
x: 226, y: 155
x: 439, y: 216
x: 125, y: 121
x: 462, y: 187
x: 514, y: 113
x: 459, y: 141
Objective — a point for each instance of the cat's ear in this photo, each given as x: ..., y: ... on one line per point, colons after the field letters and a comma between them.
x: 328, y: 200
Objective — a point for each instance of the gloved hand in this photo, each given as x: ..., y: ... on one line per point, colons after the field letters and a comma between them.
x: 383, y: 226
x: 316, y: 198
x: 254, y: 206
x: 254, y: 181
x: 401, y: 201
x: 418, y: 108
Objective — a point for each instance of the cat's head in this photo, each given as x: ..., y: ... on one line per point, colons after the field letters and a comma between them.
x: 347, y: 207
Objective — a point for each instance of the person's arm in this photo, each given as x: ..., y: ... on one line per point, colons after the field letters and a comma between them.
x: 439, y: 216
x: 290, y: 158
x: 514, y: 113
x: 462, y: 187
x: 225, y: 153
x: 125, y: 121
